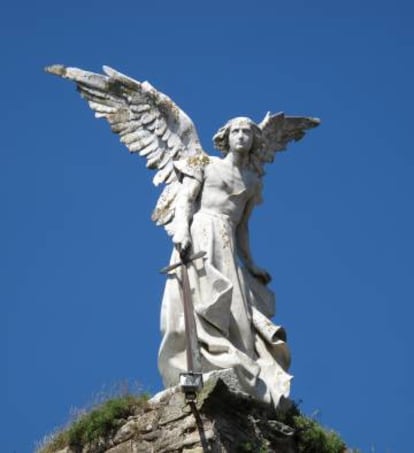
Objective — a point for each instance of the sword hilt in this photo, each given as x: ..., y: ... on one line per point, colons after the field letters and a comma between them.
x: 183, y: 262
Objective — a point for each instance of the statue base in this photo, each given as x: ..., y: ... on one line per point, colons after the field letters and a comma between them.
x: 222, y: 419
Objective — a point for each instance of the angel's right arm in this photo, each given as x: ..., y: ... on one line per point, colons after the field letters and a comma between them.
x: 184, y: 209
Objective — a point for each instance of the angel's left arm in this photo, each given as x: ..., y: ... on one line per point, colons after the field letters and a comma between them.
x: 243, y: 243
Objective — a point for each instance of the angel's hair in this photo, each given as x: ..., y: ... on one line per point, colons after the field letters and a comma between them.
x: 221, y: 138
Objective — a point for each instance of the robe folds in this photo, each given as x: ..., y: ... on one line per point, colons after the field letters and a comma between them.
x: 232, y: 308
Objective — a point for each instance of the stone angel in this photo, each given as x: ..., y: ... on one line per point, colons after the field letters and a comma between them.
x: 205, y: 206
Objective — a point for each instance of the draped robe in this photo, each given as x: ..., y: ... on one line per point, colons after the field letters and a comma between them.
x: 232, y: 308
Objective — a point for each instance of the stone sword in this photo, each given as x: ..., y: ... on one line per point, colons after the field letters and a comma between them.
x: 192, y: 380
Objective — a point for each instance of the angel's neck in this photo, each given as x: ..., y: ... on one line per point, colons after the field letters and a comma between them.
x: 238, y: 160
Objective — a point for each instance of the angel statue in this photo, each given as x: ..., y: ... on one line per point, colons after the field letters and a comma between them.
x: 205, y: 207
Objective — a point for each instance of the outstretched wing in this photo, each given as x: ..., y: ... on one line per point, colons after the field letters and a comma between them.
x: 148, y: 123
x: 278, y: 130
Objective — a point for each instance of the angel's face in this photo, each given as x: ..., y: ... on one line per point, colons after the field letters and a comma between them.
x: 240, y: 136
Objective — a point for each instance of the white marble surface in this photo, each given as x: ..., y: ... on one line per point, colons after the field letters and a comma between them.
x: 205, y: 206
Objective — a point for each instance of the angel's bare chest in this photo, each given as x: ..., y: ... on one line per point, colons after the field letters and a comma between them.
x: 225, y: 189
x: 227, y: 180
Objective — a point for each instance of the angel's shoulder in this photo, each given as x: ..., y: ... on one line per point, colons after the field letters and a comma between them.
x: 214, y: 162
x: 253, y: 176
x: 192, y: 166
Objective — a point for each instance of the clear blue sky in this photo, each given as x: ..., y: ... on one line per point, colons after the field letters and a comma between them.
x: 80, y: 290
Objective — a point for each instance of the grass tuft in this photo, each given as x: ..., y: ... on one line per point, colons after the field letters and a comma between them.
x: 314, y: 438
x: 311, y: 436
x: 97, y: 426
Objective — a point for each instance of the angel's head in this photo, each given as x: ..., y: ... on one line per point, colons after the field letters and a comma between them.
x: 239, y: 134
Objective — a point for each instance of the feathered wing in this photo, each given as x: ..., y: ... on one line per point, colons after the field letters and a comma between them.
x: 278, y: 130
x: 148, y: 123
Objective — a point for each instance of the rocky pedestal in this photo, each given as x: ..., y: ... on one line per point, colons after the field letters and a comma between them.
x: 223, y: 419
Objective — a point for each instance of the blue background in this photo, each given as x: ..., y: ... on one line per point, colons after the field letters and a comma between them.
x: 80, y: 290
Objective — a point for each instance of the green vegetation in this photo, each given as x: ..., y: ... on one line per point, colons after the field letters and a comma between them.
x: 95, y: 427
x: 248, y: 447
x: 311, y: 436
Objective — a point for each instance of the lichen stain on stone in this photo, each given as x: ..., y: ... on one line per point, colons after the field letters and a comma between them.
x: 200, y: 160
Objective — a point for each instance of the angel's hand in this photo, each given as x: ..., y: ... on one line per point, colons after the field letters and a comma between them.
x: 259, y: 273
x: 182, y: 242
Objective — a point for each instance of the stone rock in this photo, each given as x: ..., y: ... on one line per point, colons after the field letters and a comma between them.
x: 223, y: 419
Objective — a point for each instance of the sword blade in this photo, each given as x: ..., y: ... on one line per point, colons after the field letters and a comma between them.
x: 192, y: 347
